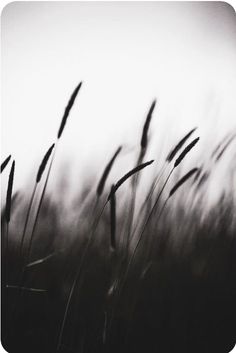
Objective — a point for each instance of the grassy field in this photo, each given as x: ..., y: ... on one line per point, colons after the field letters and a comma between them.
x: 141, y: 263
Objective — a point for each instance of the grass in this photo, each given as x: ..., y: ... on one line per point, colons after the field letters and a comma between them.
x: 139, y: 272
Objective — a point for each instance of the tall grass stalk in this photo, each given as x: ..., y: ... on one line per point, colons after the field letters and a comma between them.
x: 124, y: 276
x: 38, y: 178
x: 106, y: 172
x: 21, y: 273
x: 172, y: 191
x: 114, y: 188
x: 171, y: 155
x: 177, y: 162
x: 8, y: 219
x: 77, y: 277
x: 177, y: 186
x: 67, y: 110
x: 104, y: 177
x: 143, y: 149
x: 8, y: 210
x: 28, y: 253
x: 148, y: 197
x: 43, y: 165
x: 27, y: 220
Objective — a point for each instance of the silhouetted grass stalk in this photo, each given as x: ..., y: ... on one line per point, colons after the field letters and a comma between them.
x: 27, y: 220
x: 28, y: 254
x: 124, y: 276
x: 143, y: 149
x: 148, y: 198
x: 77, y: 277
x: 114, y: 188
x: 8, y: 211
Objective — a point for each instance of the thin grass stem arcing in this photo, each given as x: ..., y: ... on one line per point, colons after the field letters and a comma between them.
x: 27, y: 220
x: 176, y: 187
x: 135, y: 180
x: 151, y: 212
x: 185, y: 152
x: 148, y: 197
x: 94, y: 226
x: 113, y: 220
x: 28, y: 251
x: 106, y: 172
x: 38, y: 178
x: 5, y: 163
x: 8, y: 216
x: 169, y: 158
x: 187, y: 149
x: 67, y: 110
x: 131, y: 259
x: 124, y: 276
x: 128, y: 175
x: 77, y: 276
x: 38, y: 210
x: 179, y: 145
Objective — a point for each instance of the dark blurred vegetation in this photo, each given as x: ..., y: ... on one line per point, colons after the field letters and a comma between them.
x: 179, y: 295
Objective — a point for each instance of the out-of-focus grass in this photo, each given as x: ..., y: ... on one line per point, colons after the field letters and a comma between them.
x: 179, y: 294
x: 151, y: 273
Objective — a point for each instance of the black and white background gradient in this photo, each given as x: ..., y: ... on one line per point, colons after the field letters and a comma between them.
x: 150, y: 268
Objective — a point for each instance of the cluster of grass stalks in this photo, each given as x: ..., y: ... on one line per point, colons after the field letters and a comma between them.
x: 137, y: 271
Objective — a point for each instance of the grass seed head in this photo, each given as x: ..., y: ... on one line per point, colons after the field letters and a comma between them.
x: 185, y: 152
x: 182, y: 181
x: 5, y: 163
x: 67, y: 110
x: 144, y: 139
x: 179, y: 145
x: 128, y: 175
x: 44, y: 163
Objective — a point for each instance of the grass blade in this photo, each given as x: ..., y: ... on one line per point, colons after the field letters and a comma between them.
x: 38, y: 290
x: 44, y: 259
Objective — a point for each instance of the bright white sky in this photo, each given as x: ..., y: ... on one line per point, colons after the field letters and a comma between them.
x: 126, y: 54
